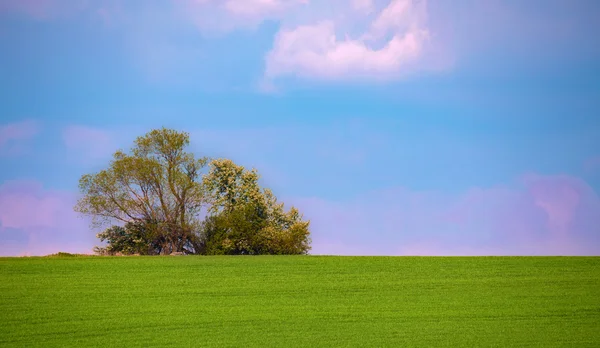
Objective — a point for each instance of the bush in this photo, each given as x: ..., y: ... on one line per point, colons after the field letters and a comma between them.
x: 248, y: 231
x: 63, y: 254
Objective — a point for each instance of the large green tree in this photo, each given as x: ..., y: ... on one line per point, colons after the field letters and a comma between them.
x: 156, y: 195
x: 157, y: 187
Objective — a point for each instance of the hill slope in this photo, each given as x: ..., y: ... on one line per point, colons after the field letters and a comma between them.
x: 300, y: 301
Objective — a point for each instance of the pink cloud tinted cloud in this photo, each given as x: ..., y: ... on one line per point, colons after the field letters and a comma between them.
x: 392, y: 42
x: 331, y: 40
x: 37, y: 221
x: 543, y: 215
x: 14, y: 136
x: 336, y: 40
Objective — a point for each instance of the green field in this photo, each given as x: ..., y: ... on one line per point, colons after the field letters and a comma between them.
x: 300, y: 301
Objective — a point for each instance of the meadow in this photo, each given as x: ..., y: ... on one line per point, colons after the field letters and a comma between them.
x: 306, y: 301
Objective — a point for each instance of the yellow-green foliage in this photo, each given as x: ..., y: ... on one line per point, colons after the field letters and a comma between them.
x: 247, y: 219
x: 156, y: 195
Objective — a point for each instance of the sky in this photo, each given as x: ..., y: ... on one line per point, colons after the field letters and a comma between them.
x: 397, y: 127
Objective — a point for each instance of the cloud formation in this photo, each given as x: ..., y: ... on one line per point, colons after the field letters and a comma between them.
x: 15, y: 136
x: 337, y: 40
x: 328, y: 40
x: 38, y: 221
x: 542, y: 215
x: 393, y: 42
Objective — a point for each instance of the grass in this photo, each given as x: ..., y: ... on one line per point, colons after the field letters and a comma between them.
x: 300, y: 301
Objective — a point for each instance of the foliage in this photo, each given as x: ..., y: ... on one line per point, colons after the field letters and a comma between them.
x: 156, y: 187
x: 243, y: 231
x: 64, y: 254
x: 246, y: 219
x: 156, y: 195
x: 129, y: 239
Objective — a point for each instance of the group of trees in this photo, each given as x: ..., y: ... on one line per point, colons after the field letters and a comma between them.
x: 159, y: 199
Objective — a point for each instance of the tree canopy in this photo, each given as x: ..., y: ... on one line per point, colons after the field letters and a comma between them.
x: 160, y: 199
x: 245, y: 219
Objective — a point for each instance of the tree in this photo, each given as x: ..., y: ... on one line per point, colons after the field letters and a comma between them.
x: 156, y: 194
x: 245, y: 219
x: 157, y: 189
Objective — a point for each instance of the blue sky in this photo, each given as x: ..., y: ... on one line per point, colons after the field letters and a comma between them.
x: 398, y: 127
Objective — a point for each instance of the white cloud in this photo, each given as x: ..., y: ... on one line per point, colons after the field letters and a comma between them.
x: 314, y: 51
x: 400, y: 15
x: 328, y: 40
x: 391, y: 46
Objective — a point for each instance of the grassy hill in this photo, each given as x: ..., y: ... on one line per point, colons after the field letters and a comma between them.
x: 300, y: 301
